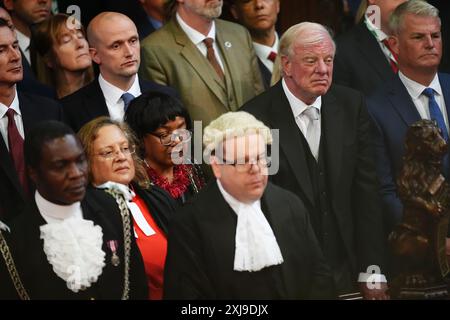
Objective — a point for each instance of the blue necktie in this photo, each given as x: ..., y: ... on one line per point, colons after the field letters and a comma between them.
x: 436, y: 114
x: 127, y: 98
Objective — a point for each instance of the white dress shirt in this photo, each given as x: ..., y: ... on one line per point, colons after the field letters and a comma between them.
x: 298, y: 106
x: 4, y: 119
x: 24, y: 45
x: 54, y: 213
x: 113, y: 96
x: 197, y: 38
x: 263, y: 51
x: 420, y: 100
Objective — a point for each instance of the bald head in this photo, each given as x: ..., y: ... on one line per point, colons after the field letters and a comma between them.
x: 114, y: 46
x: 106, y: 21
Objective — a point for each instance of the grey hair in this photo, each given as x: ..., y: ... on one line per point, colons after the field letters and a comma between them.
x: 303, y: 34
x: 415, y: 7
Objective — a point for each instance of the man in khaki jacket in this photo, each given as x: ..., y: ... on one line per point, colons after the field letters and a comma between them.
x: 211, y: 78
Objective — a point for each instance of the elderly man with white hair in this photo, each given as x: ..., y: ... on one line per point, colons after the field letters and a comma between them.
x: 242, y: 237
x: 326, y: 158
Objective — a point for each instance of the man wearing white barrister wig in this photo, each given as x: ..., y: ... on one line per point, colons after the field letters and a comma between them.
x: 68, y: 242
x: 242, y: 237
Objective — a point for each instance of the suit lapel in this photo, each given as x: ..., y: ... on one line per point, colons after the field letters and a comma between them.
x: 332, y: 131
x: 230, y: 55
x: 290, y: 139
x: 194, y: 57
x: 370, y: 48
x: 445, y: 86
x: 401, y: 101
x: 95, y: 97
x: 8, y: 167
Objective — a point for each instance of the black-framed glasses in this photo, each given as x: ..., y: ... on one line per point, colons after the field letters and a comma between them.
x: 109, y: 154
x: 246, y: 166
x: 181, y: 135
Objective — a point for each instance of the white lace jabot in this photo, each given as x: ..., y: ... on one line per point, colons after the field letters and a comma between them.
x: 73, y: 245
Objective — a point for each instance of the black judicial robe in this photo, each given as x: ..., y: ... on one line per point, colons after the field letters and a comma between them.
x: 201, y: 248
x: 37, y: 274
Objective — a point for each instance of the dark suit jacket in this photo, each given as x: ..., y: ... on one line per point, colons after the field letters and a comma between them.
x: 34, y: 109
x: 360, y: 63
x: 89, y: 102
x: 393, y: 111
x: 31, y: 85
x: 37, y: 274
x: 265, y: 73
x: 201, y: 250
x: 349, y: 162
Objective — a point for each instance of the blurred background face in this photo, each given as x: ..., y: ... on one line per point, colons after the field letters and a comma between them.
x: 386, y: 9
x: 256, y: 15
x: 109, y: 159
x: 158, y: 155
x: 153, y: 8
x: 30, y: 11
x: 209, y: 9
x: 61, y: 177
x: 247, y: 186
x: 419, y: 43
x: 10, y: 58
x: 117, y: 51
x: 71, y: 50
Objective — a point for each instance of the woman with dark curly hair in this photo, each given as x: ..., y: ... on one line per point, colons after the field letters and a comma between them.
x: 162, y: 125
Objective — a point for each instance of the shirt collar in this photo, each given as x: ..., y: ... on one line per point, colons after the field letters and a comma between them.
x: 415, y: 89
x: 24, y: 41
x: 297, y: 105
x: 113, y: 94
x: 193, y: 35
x: 155, y: 23
x: 52, y: 212
x: 234, y: 203
x: 14, y: 105
x: 263, y: 51
x: 377, y: 32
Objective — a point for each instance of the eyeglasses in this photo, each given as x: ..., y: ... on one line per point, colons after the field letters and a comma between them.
x: 261, y: 163
x: 111, y: 154
x: 169, y: 139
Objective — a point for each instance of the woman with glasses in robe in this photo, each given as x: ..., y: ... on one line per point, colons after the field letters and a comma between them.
x: 110, y: 148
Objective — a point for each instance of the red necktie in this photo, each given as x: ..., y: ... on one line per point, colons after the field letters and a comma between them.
x: 15, y: 142
x: 211, y: 56
x: 392, y: 62
x: 272, y: 56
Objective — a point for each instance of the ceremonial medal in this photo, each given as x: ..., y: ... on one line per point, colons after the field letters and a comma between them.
x: 112, y: 245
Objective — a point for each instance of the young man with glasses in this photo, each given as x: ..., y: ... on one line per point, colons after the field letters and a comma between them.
x: 242, y: 237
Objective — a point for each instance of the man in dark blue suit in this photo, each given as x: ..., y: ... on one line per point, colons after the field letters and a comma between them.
x: 114, y: 42
x: 19, y: 112
x: 417, y: 92
x: 363, y: 60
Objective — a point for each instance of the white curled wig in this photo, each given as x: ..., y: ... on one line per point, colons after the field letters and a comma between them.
x: 233, y: 125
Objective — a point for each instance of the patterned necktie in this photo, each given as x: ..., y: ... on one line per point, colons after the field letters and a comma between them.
x: 15, y: 143
x: 127, y: 98
x: 211, y: 56
x: 392, y: 62
x: 313, y: 130
x: 436, y: 115
x: 272, y: 56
